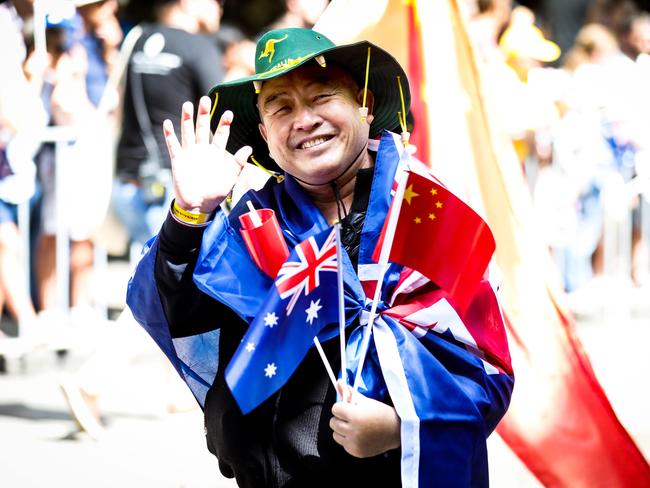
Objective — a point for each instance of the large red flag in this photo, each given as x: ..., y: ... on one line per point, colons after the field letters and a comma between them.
x: 438, y: 235
x: 560, y: 422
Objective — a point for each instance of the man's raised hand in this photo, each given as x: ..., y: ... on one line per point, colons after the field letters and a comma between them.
x: 204, y: 171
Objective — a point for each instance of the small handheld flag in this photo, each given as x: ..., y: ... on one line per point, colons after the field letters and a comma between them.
x: 301, y: 303
x: 440, y: 236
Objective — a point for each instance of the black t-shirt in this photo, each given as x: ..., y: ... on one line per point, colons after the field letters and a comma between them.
x: 174, y: 66
x: 285, y: 442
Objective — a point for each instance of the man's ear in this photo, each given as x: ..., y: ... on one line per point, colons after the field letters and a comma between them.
x: 370, y: 103
x: 262, y: 129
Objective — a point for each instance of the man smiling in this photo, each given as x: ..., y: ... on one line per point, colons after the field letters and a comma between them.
x: 311, y: 123
x: 309, y: 116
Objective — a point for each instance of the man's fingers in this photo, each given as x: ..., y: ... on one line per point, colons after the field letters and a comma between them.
x: 203, y: 121
x: 343, y: 411
x: 242, y: 155
x: 339, y: 426
x: 223, y: 130
x: 187, y: 124
x: 173, y: 146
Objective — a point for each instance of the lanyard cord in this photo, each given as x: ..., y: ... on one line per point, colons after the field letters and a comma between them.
x: 343, y: 219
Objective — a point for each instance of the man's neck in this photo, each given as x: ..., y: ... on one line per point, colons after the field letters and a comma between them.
x: 324, y: 196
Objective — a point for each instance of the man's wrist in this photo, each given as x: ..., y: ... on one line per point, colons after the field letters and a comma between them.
x: 188, y: 217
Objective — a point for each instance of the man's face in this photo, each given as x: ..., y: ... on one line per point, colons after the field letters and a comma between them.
x: 311, y: 122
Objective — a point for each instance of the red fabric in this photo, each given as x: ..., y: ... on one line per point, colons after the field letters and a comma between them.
x: 576, y: 439
x: 438, y: 235
x: 482, y: 321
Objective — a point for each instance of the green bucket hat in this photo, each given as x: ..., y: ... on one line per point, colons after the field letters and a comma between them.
x: 282, y: 50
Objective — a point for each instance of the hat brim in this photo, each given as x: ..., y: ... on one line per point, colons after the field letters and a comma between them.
x: 239, y: 95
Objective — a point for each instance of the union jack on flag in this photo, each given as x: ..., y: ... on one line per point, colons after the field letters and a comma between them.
x: 303, y: 274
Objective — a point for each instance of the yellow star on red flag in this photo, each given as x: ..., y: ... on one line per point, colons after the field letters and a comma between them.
x: 410, y: 194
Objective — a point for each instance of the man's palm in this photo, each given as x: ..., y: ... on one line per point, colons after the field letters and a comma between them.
x: 204, y: 172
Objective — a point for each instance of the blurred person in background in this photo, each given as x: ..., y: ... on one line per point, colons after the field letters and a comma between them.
x: 513, y: 54
x: 171, y: 62
x: 237, y: 52
x: 596, y: 146
x: 83, y: 49
x: 635, y: 38
x: 300, y: 13
x: 562, y: 19
x: 22, y: 116
x: 531, y: 108
x: 487, y: 21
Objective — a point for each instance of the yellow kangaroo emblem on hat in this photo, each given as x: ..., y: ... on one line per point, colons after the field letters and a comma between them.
x: 269, y: 48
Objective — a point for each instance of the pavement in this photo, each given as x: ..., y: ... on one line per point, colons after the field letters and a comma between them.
x: 147, y: 446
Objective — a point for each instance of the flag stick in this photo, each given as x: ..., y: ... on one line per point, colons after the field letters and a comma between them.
x: 339, y: 262
x: 383, y: 263
x: 330, y: 373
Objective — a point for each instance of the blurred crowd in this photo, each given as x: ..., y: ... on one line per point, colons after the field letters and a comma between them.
x: 108, y: 79
x: 579, y: 121
x: 577, y: 115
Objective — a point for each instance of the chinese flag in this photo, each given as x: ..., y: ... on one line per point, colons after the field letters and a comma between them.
x: 438, y: 235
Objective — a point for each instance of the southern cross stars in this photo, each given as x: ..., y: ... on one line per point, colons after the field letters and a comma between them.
x: 270, y: 319
x: 250, y: 347
x: 270, y: 370
x: 312, y: 311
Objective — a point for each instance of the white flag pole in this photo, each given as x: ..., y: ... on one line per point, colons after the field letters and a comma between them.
x: 328, y: 368
x: 383, y: 265
x: 339, y: 269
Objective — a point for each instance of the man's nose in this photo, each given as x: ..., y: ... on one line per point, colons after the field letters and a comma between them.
x: 306, y: 118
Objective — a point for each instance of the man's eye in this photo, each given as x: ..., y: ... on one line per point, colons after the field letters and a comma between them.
x: 322, y: 96
x: 281, y: 110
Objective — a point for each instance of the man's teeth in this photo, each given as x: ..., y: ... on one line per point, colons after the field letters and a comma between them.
x: 313, y: 142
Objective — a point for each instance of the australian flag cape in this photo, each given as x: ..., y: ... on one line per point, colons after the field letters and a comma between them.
x: 448, y: 376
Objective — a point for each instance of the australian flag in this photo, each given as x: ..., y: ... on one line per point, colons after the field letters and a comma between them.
x: 302, y: 301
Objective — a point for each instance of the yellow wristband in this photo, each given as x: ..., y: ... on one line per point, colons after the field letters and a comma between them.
x: 187, y: 217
